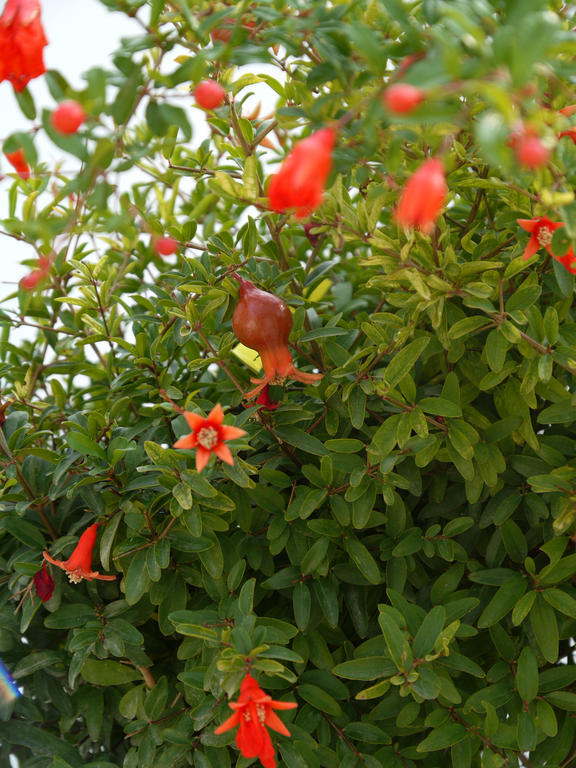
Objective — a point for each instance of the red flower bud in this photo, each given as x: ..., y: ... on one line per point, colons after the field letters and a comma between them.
x: 165, y: 246
x: 68, y: 117
x: 402, y: 98
x: 17, y: 160
x: 423, y: 197
x: 299, y: 184
x: 30, y: 281
x: 22, y: 39
x: 263, y: 322
x: 44, y: 584
x: 209, y: 94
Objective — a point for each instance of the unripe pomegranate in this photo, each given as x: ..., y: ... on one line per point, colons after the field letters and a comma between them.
x: 530, y: 152
x: 209, y: 94
x: 165, y: 246
x: 263, y: 322
x: 68, y: 117
x: 402, y: 98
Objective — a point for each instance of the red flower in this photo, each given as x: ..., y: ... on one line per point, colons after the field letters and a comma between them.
x: 44, y: 584
x: 541, y: 233
x: 31, y: 280
x: 79, y: 565
x: 402, y: 98
x: 253, y: 712
x: 422, y: 197
x: 18, y: 161
x: 299, y: 184
x: 22, y: 39
x: 568, y: 110
x: 208, y: 436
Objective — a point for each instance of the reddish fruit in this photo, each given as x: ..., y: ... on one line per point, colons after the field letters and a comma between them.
x: 18, y: 161
x: 68, y: 117
x: 165, y: 246
x: 263, y: 322
x: 209, y: 94
x: 530, y: 152
x: 402, y: 98
x: 299, y: 184
x: 422, y: 197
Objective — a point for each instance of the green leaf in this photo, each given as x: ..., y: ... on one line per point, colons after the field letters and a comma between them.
x: 396, y: 642
x: 302, y: 602
x: 428, y: 631
x: 109, y: 672
x: 560, y: 600
x: 80, y: 442
x: 439, y: 406
x: 363, y: 560
x: 523, y: 298
x: 527, y: 675
x: 545, y: 628
x: 323, y: 333
x: 443, y: 737
x: 368, y: 668
x: 562, y: 700
x: 314, y: 557
x: 345, y: 445
x: 301, y: 440
x: 559, y: 413
x: 24, y: 531
x: 502, y: 602
x: 319, y: 699
x: 403, y: 361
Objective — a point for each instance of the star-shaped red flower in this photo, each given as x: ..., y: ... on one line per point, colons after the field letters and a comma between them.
x: 541, y: 232
x: 208, y: 436
x: 253, y: 712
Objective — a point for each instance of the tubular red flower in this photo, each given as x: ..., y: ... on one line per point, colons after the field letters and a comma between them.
x: 253, y: 712
x: 22, y: 39
x: 299, y: 184
x: 263, y: 322
x: 541, y: 232
x: 44, y: 584
x: 208, y: 436
x: 422, y: 197
x: 18, y: 161
x: 79, y: 564
x: 264, y: 399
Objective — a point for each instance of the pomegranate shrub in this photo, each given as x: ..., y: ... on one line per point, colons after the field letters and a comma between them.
x: 287, y: 402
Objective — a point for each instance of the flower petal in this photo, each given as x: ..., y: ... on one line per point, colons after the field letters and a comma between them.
x: 251, y: 734
x: 202, y: 456
x: 194, y: 420
x: 58, y: 563
x: 228, y: 724
x: 223, y: 452
x: 186, y: 442
x: 532, y: 248
x: 273, y: 721
x: 216, y: 415
x: 528, y: 224
x: 231, y: 433
x: 283, y: 705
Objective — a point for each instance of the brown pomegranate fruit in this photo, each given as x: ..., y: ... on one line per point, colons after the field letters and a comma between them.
x: 262, y: 321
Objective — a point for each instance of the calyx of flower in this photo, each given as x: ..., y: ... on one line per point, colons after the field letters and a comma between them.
x: 262, y: 321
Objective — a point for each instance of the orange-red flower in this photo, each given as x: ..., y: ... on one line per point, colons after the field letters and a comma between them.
x: 18, y: 161
x: 22, y: 39
x: 265, y: 400
x: 79, y: 565
x: 541, y: 232
x: 299, y: 184
x: 422, y: 197
x: 208, y: 436
x: 253, y: 712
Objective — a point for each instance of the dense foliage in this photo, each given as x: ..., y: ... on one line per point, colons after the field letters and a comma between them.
x: 393, y: 546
